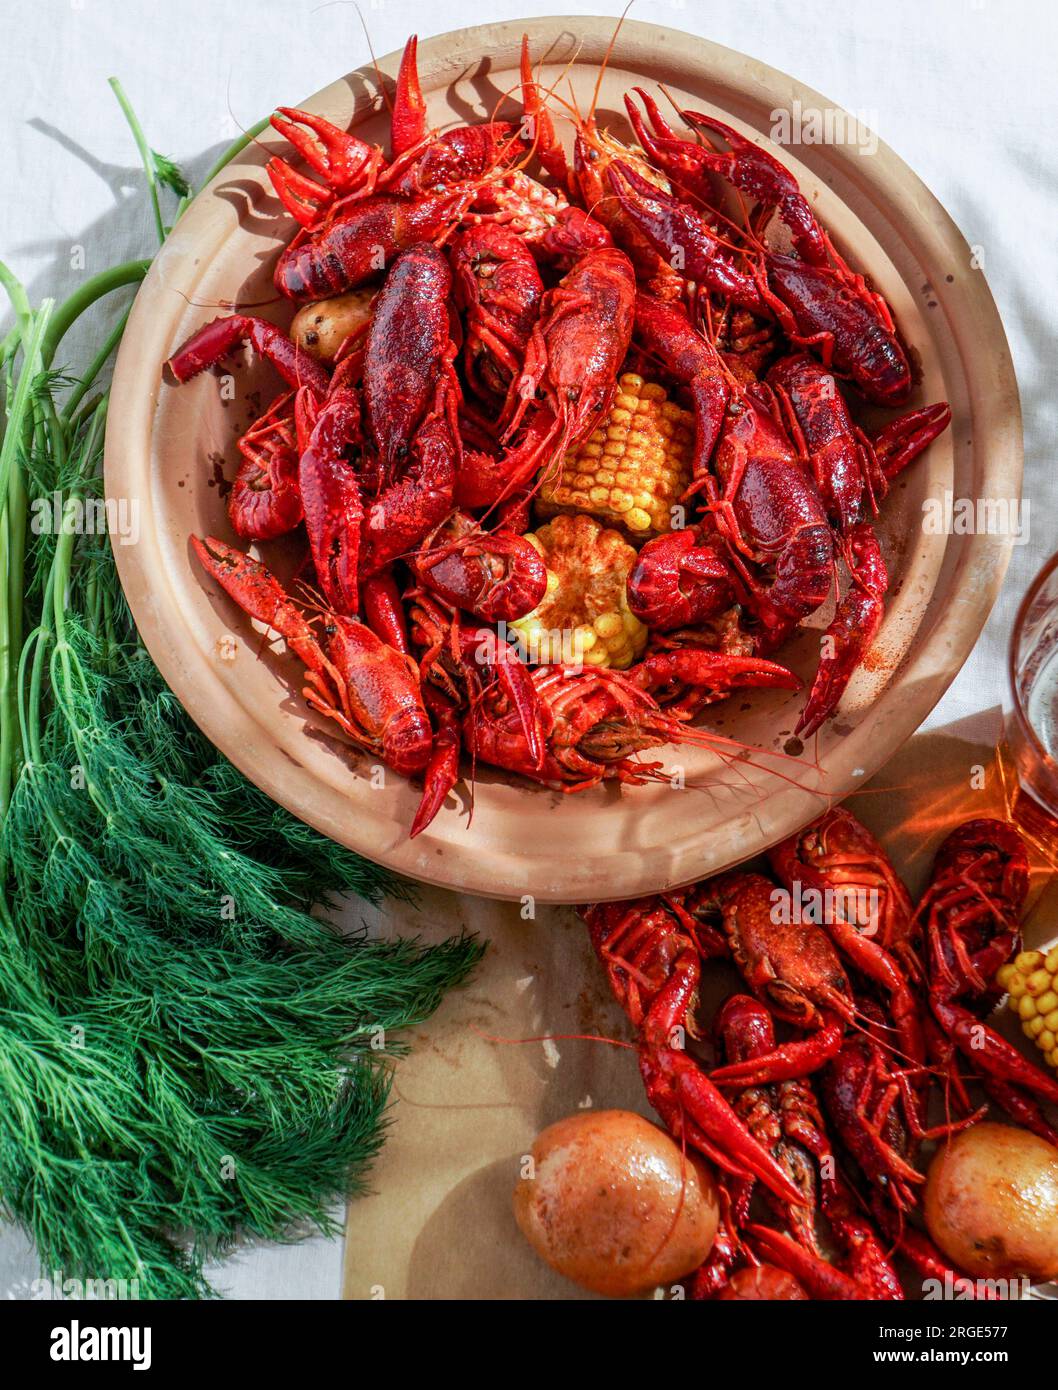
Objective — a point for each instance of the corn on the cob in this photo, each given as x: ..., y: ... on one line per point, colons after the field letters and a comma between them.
x: 1031, y: 980
x: 633, y: 468
x: 584, y: 618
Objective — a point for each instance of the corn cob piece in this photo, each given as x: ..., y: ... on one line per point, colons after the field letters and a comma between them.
x: 633, y: 469
x: 583, y: 618
x: 1031, y: 979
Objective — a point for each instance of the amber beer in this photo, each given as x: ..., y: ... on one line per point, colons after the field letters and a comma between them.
x: 1032, y: 721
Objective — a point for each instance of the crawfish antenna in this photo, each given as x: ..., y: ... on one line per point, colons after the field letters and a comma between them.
x: 606, y: 61
x: 382, y: 87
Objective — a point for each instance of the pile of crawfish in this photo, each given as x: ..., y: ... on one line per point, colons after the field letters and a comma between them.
x: 884, y: 1007
x: 506, y: 305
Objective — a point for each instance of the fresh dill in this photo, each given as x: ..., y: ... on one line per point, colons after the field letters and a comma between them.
x: 187, y: 1053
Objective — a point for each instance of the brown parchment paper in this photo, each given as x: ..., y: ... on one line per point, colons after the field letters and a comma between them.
x: 439, y: 1224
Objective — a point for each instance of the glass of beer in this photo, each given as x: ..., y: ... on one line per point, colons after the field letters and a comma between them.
x: 1032, y: 725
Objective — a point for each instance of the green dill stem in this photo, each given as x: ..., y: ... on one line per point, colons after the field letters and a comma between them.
x: 94, y: 288
x: 23, y: 311
x: 146, y: 156
x: 13, y: 533
x: 84, y: 383
x: 15, y: 524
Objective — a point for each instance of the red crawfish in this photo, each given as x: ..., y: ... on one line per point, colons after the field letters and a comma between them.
x: 360, y: 239
x: 786, y: 961
x: 838, y: 866
x: 369, y: 690
x: 265, y: 499
x: 568, y: 379
x: 852, y: 471
x: 596, y: 721
x: 788, y: 1121
x: 409, y: 351
x: 494, y: 575
x: 971, y: 914
x: 754, y: 171
x: 822, y: 307
x: 770, y: 514
x: 410, y: 402
x: 594, y: 151
x: 681, y: 579
x: 652, y: 959
x: 366, y: 211
x: 772, y: 517
x: 577, y: 347
x: 498, y: 290
x: 748, y: 167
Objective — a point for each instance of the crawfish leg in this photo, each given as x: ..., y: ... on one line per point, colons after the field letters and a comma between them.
x: 442, y: 771
x: 383, y: 610
x: 992, y: 1055
x: 822, y: 1280
x: 787, y: 1061
x: 855, y: 626
x: 1021, y: 1107
x: 217, y: 338
x: 688, y: 1101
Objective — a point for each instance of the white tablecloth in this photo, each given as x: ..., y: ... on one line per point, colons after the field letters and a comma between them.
x: 963, y: 90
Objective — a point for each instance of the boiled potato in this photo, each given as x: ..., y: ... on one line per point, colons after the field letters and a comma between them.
x: 614, y: 1205
x: 321, y: 328
x: 992, y: 1202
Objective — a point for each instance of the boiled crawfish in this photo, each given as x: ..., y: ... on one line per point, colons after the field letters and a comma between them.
x: 506, y: 289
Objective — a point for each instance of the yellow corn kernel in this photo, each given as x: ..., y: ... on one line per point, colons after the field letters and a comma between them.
x: 1031, y: 983
x: 633, y: 468
x: 584, y: 616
